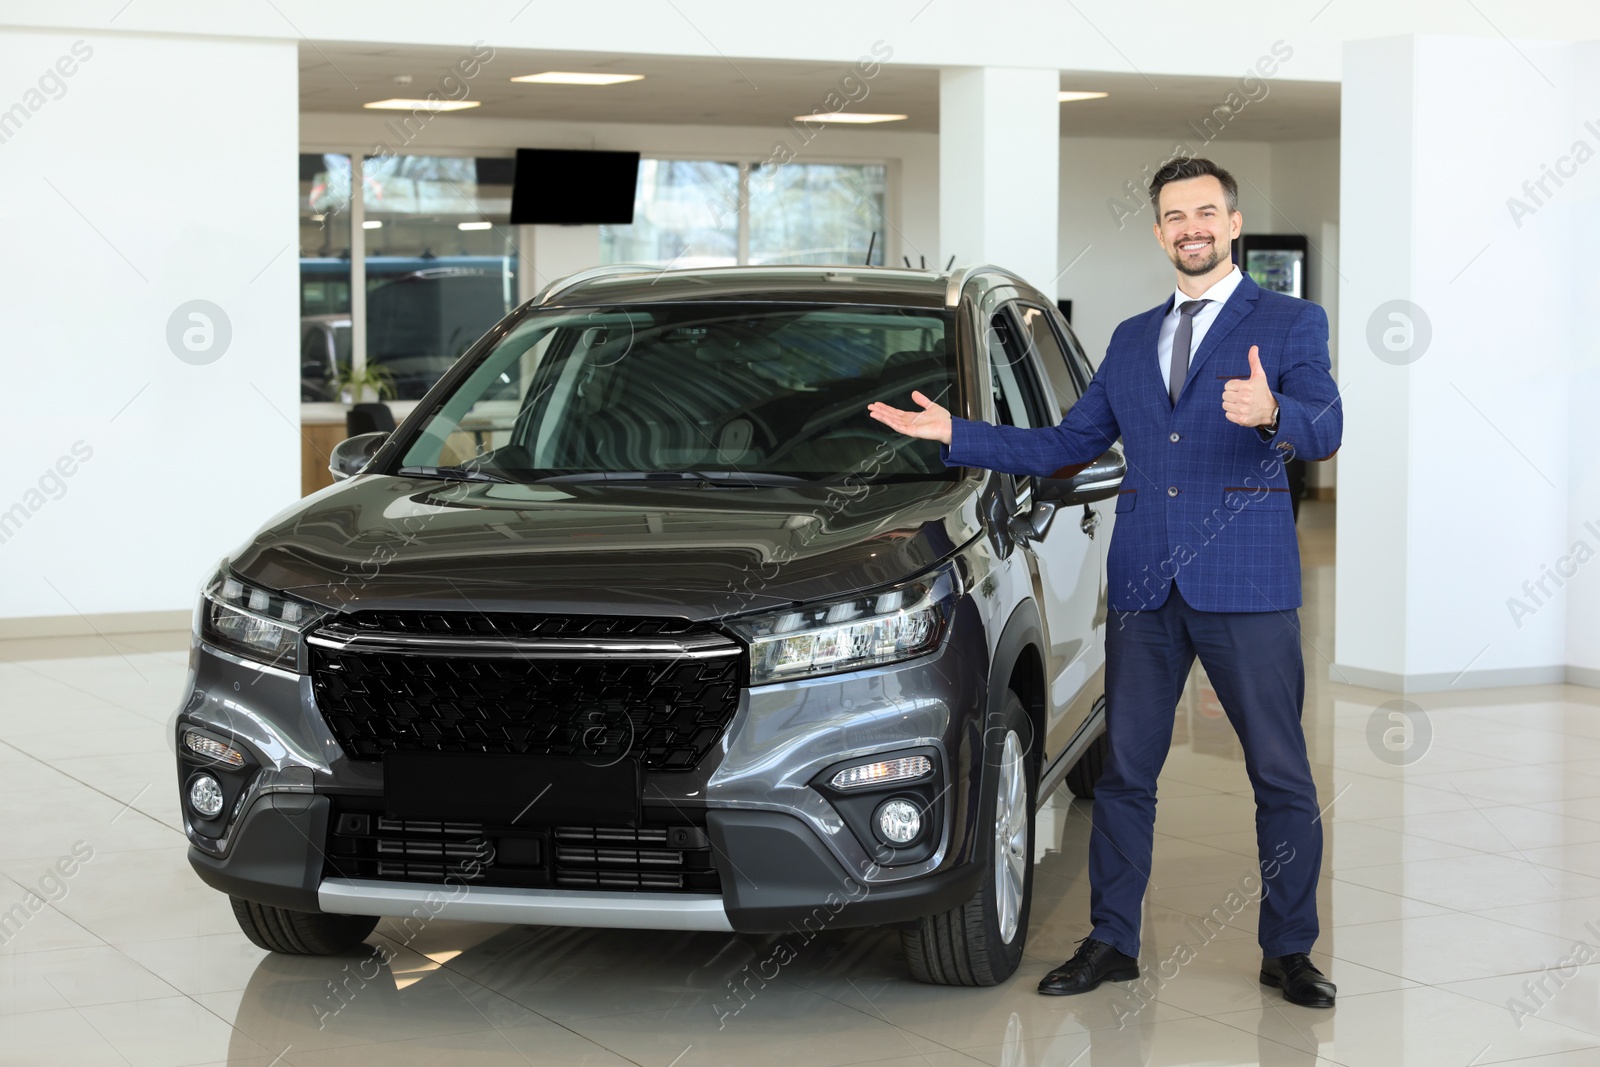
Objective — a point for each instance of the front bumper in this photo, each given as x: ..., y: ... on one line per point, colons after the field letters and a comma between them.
x: 784, y: 855
x: 777, y: 876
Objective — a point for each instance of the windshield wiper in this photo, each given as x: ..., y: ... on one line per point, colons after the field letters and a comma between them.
x: 750, y: 478
x: 465, y: 474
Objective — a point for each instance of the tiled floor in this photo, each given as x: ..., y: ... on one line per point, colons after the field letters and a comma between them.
x: 1460, y: 904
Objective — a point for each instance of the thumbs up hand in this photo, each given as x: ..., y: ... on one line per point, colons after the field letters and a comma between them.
x: 1248, y: 401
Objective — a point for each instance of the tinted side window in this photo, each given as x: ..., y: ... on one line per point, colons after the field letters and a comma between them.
x: 1052, y: 357
x: 1080, y: 359
x: 1018, y: 397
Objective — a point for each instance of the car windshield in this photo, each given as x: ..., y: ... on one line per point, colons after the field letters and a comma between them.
x: 688, y: 393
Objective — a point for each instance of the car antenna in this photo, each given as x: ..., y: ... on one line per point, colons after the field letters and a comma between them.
x: 950, y: 264
x: 924, y: 261
x: 870, y: 245
x: 908, y: 261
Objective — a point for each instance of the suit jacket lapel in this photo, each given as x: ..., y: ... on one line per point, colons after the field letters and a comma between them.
x: 1240, y: 304
x: 1150, y: 353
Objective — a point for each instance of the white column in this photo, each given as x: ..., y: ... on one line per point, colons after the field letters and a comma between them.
x: 553, y: 252
x: 150, y: 293
x: 1583, y: 522
x: 1457, y: 360
x: 999, y: 162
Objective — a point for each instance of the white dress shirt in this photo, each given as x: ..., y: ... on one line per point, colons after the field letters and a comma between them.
x: 1218, y: 294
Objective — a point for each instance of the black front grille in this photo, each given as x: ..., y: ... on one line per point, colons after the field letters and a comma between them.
x: 659, y: 857
x: 665, y: 712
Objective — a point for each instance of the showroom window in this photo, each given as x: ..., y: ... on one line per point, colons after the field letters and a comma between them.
x: 685, y: 212
x: 816, y: 213
x: 712, y: 214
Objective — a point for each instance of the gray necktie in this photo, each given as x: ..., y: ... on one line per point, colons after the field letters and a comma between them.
x: 1179, y: 367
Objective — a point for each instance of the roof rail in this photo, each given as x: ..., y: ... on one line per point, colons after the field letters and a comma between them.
x: 561, y: 285
x: 961, y: 275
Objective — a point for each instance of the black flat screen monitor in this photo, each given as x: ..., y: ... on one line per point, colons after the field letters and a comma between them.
x: 571, y: 187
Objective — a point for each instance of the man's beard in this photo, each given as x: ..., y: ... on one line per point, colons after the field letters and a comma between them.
x: 1194, y: 270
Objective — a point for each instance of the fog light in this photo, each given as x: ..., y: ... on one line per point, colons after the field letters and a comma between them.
x: 201, y: 745
x: 205, y: 796
x: 889, y: 770
x: 899, y: 821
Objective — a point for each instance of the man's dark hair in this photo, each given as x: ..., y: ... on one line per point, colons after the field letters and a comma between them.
x: 1185, y: 167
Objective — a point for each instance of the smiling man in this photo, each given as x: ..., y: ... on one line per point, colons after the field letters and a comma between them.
x: 1211, y: 393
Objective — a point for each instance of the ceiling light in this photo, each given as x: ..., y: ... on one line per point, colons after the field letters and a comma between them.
x: 474, y: 225
x: 398, y: 104
x: 1067, y: 96
x: 849, y: 116
x: 570, y: 77
x: 372, y: 224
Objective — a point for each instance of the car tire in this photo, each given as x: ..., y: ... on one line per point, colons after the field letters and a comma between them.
x: 1084, y: 775
x: 980, y: 942
x: 300, y: 933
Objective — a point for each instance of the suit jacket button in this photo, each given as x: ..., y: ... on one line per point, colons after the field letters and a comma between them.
x: 1172, y: 490
x: 1173, y: 438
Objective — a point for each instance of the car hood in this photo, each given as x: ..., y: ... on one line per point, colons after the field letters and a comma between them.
x: 379, y: 542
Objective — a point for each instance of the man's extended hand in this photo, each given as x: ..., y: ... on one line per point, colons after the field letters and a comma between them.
x: 1248, y: 401
x: 932, y: 423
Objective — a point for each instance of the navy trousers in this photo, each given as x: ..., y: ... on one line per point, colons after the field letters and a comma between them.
x: 1253, y: 660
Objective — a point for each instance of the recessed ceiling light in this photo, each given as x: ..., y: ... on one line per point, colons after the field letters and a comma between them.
x: 398, y: 104
x: 474, y: 225
x: 569, y: 77
x: 849, y: 116
x: 372, y: 224
x: 1067, y: 96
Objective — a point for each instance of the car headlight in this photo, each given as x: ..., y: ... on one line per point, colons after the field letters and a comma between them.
x: 898, y: 623
x: 254, y: 622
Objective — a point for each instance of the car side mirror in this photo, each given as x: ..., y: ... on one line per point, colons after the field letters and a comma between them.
x: 350, y: 456
x: 1085, y: 485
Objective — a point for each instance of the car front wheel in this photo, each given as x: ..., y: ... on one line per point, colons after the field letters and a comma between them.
x: 980, y: 943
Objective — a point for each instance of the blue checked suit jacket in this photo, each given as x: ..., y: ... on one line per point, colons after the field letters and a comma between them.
x: 1205, y: 502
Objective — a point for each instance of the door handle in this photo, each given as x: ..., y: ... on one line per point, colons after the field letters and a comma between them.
x: 1090, y: 520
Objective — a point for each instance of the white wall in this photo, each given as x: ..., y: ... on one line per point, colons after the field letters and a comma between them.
x: 113, y: 218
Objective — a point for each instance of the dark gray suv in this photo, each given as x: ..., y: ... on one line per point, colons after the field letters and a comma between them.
x: 639, y: 620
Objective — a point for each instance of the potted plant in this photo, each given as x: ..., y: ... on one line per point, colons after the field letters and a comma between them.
x: 353, y: 385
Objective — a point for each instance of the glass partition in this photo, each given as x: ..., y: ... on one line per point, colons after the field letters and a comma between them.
x: 441, y: 261
x: 324, y: 271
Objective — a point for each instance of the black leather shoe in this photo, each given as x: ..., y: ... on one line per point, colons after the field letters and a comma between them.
x: 1093, y: 963
x: 1299, y: 979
